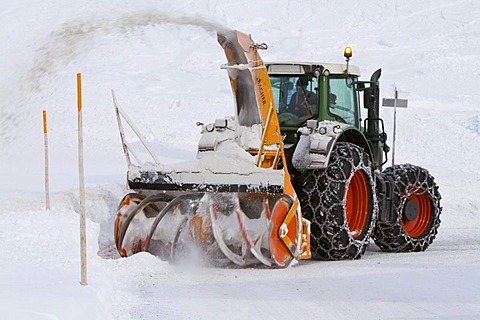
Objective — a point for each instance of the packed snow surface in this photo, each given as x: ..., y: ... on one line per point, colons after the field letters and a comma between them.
x: 163, y: 61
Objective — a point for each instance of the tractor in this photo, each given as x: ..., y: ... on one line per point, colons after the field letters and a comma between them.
x: 336, y: 162
x: 295, y: 174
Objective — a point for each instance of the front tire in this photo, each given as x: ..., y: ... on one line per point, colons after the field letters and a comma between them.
x: 416, y: 206
x: 340, y: 202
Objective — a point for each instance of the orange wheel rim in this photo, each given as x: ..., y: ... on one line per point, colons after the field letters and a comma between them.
x: 417, y: 226
x: 357, y: 204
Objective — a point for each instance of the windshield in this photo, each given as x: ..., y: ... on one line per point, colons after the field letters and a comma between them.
x: 341, y: 100
x: 295, y: 98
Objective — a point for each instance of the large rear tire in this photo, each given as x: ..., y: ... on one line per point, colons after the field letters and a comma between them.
x: 416, y: 205
x: 340, y: 202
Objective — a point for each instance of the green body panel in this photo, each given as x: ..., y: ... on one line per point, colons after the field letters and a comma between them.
x: 323, y: 113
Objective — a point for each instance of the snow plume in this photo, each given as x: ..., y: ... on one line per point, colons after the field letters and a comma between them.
x: 9, y: 121
x: 63, y: 45
x: 62, y: 49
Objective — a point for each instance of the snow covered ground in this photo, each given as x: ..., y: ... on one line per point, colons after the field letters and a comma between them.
x: 162, y: 60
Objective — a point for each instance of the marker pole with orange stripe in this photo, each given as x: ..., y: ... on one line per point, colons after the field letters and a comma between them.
x: 83, y: 238
x: 45, y: 139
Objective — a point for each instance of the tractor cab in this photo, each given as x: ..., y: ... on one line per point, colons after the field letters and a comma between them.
x: 304, y: 91
x: 313, y: 91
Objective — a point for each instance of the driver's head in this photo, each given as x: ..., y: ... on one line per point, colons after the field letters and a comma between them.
x: 301, y: 83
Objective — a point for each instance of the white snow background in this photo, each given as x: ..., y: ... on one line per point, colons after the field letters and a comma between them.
x: 163, y: 61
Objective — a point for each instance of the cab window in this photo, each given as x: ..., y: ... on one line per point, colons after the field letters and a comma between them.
x: 341, y: 100
x: 296, y: 98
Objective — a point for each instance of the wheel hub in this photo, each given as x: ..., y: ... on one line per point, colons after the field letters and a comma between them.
x: 410, y: 211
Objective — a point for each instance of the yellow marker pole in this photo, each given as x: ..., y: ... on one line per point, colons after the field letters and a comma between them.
x: 45, y: 139
x: 83, y: 241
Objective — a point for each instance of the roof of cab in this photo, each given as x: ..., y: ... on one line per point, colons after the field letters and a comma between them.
x: 285, y: 67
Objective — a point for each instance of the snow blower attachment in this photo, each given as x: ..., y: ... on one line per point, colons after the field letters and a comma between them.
x: 235, y: 202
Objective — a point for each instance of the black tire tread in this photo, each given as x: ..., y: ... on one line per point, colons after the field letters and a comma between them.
x: 321, y: 194
x: 390, y: 236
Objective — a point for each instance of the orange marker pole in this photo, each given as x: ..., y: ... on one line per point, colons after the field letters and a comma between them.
x: 45, y: 139
x: 83, y: 238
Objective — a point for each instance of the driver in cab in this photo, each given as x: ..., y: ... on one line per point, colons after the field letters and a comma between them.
x: 301, y: 100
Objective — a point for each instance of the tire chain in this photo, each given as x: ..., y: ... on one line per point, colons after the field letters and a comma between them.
x: 409, y: 179
x: 323, y: 203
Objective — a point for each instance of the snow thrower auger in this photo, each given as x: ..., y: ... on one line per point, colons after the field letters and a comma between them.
x: 234, y: 202
x: 294, y: 174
